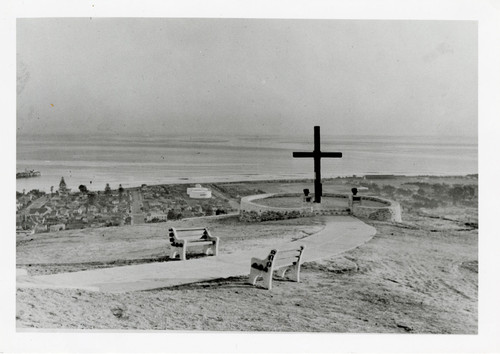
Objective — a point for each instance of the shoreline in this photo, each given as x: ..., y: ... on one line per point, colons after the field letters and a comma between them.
x: 273, y: 179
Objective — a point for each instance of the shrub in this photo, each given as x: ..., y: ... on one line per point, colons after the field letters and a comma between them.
x: 388, y: 189
x: 424, y: 202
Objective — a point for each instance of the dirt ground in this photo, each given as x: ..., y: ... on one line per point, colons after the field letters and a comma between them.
x: 420, y: 276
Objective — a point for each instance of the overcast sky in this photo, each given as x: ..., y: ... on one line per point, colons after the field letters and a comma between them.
x: 217, y: 76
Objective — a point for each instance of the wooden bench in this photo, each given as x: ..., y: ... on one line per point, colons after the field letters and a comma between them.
x: 279, y: 261
x: 181, y: 239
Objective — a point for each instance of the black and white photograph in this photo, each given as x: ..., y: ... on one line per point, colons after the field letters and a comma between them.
x: 240, y: 175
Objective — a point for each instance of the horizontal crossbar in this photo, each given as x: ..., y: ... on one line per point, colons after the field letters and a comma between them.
x: 288, y: 250
x: 284, y: 259
x: 316, y: 154
x: 201, y: 242
x: 190, y: 233
x: 191, y: 229
x: 191, y: 238
x: 279, y: 265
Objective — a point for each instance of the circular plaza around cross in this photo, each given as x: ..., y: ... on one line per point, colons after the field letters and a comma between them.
x: 279, y: 206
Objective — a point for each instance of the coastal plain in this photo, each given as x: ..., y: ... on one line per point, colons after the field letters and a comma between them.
x: 418, y: 276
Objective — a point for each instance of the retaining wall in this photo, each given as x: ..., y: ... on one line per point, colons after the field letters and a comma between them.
x: 391, y: 211
x: 251, y: 211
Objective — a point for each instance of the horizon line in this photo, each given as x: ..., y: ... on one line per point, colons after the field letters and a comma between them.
x: 208, y: 135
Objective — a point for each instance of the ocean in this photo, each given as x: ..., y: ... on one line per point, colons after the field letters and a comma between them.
x: 131, y: 160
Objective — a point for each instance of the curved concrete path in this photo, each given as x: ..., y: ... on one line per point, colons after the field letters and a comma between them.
x: 341, y: 233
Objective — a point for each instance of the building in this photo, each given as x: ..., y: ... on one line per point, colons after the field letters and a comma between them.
x: 63, y: 190
x: 157, y: 217
x: 199, y: 192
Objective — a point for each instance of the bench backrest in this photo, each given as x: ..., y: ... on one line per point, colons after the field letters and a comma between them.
x: 280, y: 258
x: 191, y: 234
x: 287, y: 256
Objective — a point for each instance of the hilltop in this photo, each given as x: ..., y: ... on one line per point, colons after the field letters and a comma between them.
x: 418, y: 276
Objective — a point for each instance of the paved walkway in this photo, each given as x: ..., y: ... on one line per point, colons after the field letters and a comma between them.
x: 341, y: 233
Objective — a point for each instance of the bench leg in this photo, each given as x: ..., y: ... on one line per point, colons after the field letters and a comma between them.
x: 215, y: 248
x: 268, y: 280
x: 267, y: 277
x: 179, y: 251
x: 210, y: 249
x: 281, y: 272
x: 174, y: 253
x: 183, y: 253
x: 295, y: 273
x: 254, y: 275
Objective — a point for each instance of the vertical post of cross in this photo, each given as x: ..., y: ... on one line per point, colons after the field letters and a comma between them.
x: 318, y: 190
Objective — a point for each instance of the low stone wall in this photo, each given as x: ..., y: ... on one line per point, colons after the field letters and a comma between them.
x: 390, y: 212
x: 251, y: 211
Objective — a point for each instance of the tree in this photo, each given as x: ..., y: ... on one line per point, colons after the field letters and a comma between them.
x: 107, y: 190
x: 120, y: 192
x: 36, y: 193
x: 83, y: 188
x: 209, y: 211
x: 171, y: 215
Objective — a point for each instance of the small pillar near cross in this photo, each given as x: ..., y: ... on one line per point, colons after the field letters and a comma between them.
x: 317, y: 154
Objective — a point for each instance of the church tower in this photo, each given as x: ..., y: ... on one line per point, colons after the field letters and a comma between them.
x: 63, y: 190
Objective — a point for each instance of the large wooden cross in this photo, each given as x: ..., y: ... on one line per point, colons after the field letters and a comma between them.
x: 317, y: 155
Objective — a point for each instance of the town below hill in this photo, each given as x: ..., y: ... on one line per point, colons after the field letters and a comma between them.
x: 63, y: 209
x: 37, y: 211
